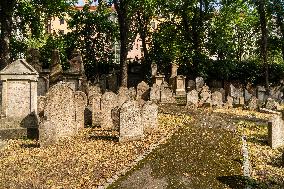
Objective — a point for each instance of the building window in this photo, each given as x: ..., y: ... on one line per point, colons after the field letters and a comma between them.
x: 61, y: 21
x: 61, y: 32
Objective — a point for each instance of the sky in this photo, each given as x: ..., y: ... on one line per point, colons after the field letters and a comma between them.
x: 81, y: 3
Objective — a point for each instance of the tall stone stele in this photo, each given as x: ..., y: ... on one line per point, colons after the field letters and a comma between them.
x: 19, y: 92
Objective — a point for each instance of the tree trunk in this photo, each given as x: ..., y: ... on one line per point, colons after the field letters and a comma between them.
x: 264, y: 33
x: 281, y: 27
x: 6, y: 13
x: 121, y: 9
x: 143, y: 32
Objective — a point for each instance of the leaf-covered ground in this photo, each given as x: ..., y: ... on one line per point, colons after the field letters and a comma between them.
x: 84, y: 161
x: 205, y: 153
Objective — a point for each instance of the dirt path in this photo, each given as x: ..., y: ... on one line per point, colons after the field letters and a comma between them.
x: 203, y: 154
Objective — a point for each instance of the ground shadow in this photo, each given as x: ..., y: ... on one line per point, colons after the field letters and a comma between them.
x: 101, y: 137
x: 30, y: 145
x: 240, y: 182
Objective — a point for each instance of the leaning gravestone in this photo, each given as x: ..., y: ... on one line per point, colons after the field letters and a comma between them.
x: 143, y: 91
x: 59, y: 110
x: 150, y: 116
x: 108, y: 103
x: 217, y: 99
x: 56, y: 72
x: 192, y: 98
x: 80, y: 105
x: 155, y: 94
x: 131, y: 127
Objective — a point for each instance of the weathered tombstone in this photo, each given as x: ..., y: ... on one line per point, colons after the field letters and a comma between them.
x: 253, y: 103
x: 166, y: 94
x: 155, y: 94
x: 192, y: 98
x: 60, y: 111
x: 205, y: 97
x: 276, y: 131
x: 80, y: 105
x: 76, y: 63
x: 150, y: 117
x: 276, y: 92
x: 132, y: 93
x: 143, y: 91
x: 112, y: 82
x: 48, y: 133
x: 94, y: 90
x: 159, y: 79
x: 236, y: 93
x: 260, y: 93
x: 96, y: 109
x: 199, y: 82
x: 19, y: 90
x: 33, y: 57
x: 271, y: 104
x: 174, y: 70
x: 154, y: 69
x: 247, y: 95
x: 42, y: 86
x: 217, y: 99
x: 108, y: 103
x: 122, y: 96
x: 56, y: 72
x: 41, y: 101
x: 131, y: 127
x: 229, y: 103
x: 190, y: 85
x: 180, y: 85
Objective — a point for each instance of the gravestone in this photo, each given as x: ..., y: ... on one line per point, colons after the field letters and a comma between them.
x: 143, y: 91
x: 56, y: 72
x: 217, y: 99
x: 192, y: 98
x: 180, y: 85
x: 48, y: 133
x: 19, y: 90
x: 260, y: 93
x: 103, y: 83
x: 229, y: 103
x: 60, y: 111
x: 132, y: 93
x: 41, y: 102
x: 205, y: 97
x: 276, y: 131
x: 154, y: 69
x: 150, y: 117
x: 247, y: 95
x: 96, y: 109
x: 253, y: 103
x: 190, y: 85
x: 236, y: 93
x: 159, y: 79
x: 112, y: 82
x: 155, y: 94
x: 80, y: 105
x: 166, y: 94
x: 108, y: 103
x: 94, y: 90
x: 42, y: 85
x: 199, y: 82
x: 122, y: 95
x: 131, y: 127
x: 272, y: 104
x: 76, y: 63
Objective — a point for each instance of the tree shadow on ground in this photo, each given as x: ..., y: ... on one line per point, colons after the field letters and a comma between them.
x: 240, y: 182
x: 259, y: 139
x: 30, y: 145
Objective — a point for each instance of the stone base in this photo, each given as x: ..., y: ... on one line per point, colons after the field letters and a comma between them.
x: 130, y: 138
